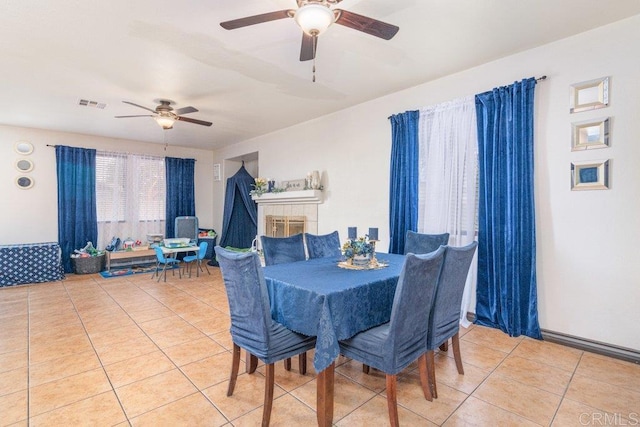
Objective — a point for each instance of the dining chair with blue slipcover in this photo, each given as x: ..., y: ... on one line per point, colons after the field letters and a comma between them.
x: 444, y: 320
x: 420, y: 243
x: 392, y: 346
x: 165, y: 262
x: 326, y: 245
x: 189, y: 260
x: 252, y: 327
x: 279, y: 250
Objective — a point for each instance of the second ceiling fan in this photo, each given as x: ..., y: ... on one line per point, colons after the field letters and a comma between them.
x: 314, y: 17
x: 165, y: 115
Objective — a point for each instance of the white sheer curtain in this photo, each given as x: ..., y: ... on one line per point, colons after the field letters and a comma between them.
x: 130, y: 196
x: 447, y: 200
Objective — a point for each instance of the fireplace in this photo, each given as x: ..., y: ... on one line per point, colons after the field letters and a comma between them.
x: 288, y: 213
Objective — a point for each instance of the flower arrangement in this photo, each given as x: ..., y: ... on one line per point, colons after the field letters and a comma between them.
x: 259, y: 187
x: 360, y: 246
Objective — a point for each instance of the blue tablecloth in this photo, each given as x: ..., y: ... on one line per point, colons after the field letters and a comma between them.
x: 30, y: 263
x: 318, y: 298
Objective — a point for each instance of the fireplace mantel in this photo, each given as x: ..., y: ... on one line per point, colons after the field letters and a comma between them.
x: 289, y: 197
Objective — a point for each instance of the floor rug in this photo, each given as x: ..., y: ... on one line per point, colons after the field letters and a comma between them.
x: 134, y: 269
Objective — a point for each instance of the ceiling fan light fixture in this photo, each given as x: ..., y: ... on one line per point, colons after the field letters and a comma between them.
x: 165, y: 121
x: 314, y: 19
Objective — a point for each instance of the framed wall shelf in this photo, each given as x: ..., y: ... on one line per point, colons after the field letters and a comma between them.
x: 590, y: 175
x: 590, y: 134
x: 589, y: 95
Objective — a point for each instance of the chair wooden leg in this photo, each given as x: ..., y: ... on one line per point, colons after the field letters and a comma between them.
x: 287, y: 364
x: 431, y: 370
x: 268, y: 394
x: 302, y: 363
x: 205, y: 266
x: 365, y: 369
x: 455, y: 344
x: 251, y: 363
x: 392, y: 400
x: 424, y: 377
x: 444, y: 346
x: 235, y: 364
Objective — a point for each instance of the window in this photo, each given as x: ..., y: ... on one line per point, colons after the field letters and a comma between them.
x: 130, y: 196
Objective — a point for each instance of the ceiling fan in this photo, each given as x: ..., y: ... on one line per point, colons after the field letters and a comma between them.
x: 314, y: 17
x: 165, y: 115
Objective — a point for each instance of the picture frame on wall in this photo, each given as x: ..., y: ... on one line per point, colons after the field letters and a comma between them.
x: 590, y: 175
x: 590, y: 134
x: 589, y: 95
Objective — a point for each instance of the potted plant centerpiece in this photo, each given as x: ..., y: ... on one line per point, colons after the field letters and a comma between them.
x: 358, y: 251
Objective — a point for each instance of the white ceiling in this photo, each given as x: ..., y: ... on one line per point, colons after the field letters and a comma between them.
x: 248, y: 81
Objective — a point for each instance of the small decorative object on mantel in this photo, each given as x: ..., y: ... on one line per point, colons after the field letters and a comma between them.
x: 294, y: 185
x: 315, y: 180
x: 259, y: 187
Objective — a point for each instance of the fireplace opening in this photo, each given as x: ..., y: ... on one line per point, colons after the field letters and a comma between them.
x: 284, y: 226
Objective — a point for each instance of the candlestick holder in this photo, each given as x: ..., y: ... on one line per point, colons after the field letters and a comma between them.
x: 373, y: 261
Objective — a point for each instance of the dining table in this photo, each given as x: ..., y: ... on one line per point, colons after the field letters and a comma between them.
x: 317, y: 297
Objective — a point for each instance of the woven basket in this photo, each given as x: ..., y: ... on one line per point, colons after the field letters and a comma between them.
x: 88, y: 265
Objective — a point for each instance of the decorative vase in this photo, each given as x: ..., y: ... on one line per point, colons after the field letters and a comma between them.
x: 315, y: 180
x: 361, y: 260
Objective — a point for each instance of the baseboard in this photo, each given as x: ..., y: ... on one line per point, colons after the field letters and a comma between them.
x: 597, y: 347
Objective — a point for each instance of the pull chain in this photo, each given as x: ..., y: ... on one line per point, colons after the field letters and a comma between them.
x: 315, y: 43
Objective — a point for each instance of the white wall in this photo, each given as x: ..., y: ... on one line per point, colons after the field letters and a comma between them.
x: 30, y: 216
x: 588, y: 277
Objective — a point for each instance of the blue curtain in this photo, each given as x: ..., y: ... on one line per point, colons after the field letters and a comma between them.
x: 240, y: 219
x: 506, y: 291
x: 181, y: 200
x: 403, y: 192
x: 77, y: 217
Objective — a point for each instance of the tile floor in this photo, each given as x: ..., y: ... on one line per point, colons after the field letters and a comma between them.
x: 131, y: 351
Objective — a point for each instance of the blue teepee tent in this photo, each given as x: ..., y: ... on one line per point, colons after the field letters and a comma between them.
x: 240, y: 220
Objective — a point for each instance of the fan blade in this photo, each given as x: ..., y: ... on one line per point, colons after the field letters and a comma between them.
x: 198, y: 122
x: 309, y: 46
x: 139, y: 106
x: 185, y: 110
x: 256, y: 19
x: 124, y: 117
x: 366, y: 25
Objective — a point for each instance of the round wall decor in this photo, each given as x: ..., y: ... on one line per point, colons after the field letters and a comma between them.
x: 24, y: 147
x: 24, y: 182
x: 24, y: 165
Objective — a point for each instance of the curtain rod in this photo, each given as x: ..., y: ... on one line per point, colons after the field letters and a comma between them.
x: 121, y: 152
x: 538, y: 79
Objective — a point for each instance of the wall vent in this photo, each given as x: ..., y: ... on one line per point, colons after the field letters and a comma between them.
x: 93, y: 104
